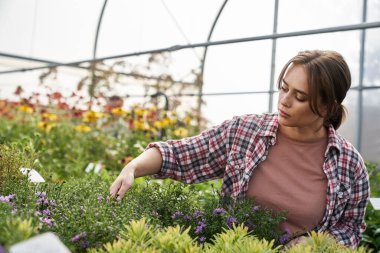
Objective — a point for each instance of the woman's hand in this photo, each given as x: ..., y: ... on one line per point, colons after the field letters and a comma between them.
x: 147, y: 163
x: 122, y: 183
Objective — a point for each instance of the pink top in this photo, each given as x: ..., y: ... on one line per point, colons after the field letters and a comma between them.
x: 292, y: 179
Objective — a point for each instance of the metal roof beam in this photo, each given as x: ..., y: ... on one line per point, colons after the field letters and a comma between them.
x: 215, y: 43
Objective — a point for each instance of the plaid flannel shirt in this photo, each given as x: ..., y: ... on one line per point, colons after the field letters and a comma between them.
x: 235, y: 148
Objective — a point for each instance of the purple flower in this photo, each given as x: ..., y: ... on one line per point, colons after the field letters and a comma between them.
x: 85, y: 244
x: 53, y: 203
x: 177, y: 215
x: 78, y: 237
x: 8, y: 198
x: 219, y: 211
x: 100, y: 199
x: 46, y: 212
x: 230, y: 221
x: 284, y: 238
x: 38, y: 213
x: 200, y: 227
x: 2, y: 250
x: 255, y: 209
x: 41, y: 195
x: 202, y: 239
x: 197, y: 214
x: 187, y: 218
x: 47, y: 221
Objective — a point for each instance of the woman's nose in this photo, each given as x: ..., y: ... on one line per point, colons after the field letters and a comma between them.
x: 285, y: 100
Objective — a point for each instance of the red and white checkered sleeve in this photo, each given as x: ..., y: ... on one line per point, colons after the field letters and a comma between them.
x: 196, y: 159
x: 351, y: 225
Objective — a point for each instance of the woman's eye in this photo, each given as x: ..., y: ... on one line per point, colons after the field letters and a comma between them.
x: 301, y: 99
x: 284, y: 88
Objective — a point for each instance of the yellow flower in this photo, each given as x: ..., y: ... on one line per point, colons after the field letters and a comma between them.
x: 187, y: 120
x: 173, y: 120
x: 25, y: 108
x: 45, y: 126
x: 165, y: 122
x: 157, y: 124
x: 118, y: 111
x: 140, y: 125
x: 181, y: 132
x: 49, y: 116
x: 92, y: 116
x: 82, y: 128
x: 140, y: 112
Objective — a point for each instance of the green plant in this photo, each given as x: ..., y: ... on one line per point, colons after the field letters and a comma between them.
x: 321, y: 243
x: 371, y: 237
x: 12, y: 158
x: 16, y: 229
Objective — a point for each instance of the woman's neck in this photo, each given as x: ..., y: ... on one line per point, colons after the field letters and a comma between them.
x: 304, y: 134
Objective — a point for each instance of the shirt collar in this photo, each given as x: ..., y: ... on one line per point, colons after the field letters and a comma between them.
x: 269, y: 127
x: 334, y: 140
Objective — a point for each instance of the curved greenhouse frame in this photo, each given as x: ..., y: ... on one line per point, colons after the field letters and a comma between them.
x: 221, y: 47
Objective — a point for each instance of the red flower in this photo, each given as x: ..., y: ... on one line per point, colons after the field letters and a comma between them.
x: 56, y: 95
x: 63, y: 106
x: 18, y: 90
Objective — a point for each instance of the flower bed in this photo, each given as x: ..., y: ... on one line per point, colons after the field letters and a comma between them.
x: 76, y: 205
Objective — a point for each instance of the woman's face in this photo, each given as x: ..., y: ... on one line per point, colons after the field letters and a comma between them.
x: 293, y: 101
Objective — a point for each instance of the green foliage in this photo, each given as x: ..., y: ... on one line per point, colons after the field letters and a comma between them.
x: 321, y: 243
x: 140, y: 236
x: 65, y: 153
x: 16, y: 229
x: 219, y: 214
x: 237, y: 240
x: 12, y: 158
x: 371, y: 237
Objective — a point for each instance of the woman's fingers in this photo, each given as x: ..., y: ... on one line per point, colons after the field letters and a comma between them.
x: 121, y: 186
x: 115, y: 187
x: 123, y: 189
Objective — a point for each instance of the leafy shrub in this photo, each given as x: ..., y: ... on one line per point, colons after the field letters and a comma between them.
x: 82, y: 214
x: 321, y: 243
x: 12, y: 158
x: 371, y: 237
x: 140, y: 236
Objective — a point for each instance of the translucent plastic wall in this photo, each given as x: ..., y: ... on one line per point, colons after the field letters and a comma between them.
x: 65, y: 31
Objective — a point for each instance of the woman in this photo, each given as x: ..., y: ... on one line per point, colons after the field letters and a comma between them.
x: 293, y: 160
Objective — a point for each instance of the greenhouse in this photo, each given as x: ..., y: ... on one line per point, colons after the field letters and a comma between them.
x: 91, y: 90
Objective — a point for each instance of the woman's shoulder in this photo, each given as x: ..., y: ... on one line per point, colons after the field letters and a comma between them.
x: 350, y: 157
x: 257, y: 119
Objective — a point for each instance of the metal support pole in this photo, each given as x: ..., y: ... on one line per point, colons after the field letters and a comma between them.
x: 200, y: 79
x: 93, y: 67
x: 273, y: 61
x: 361, y: 77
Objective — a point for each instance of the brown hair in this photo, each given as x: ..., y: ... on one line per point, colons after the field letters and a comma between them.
x: 329, y: 80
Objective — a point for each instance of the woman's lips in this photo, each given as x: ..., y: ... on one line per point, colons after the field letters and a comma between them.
x: 283, y: 114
